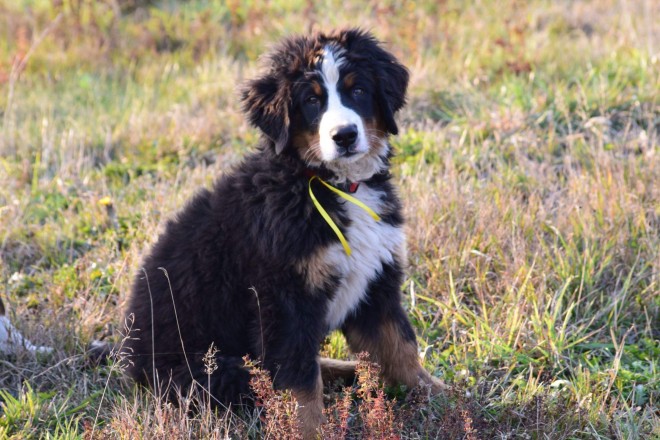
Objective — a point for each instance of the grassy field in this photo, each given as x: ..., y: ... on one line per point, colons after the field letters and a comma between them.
x: 528, y: 161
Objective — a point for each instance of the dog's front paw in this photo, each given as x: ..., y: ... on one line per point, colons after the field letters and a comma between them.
x: 437, y: 385
x: 310, y: 425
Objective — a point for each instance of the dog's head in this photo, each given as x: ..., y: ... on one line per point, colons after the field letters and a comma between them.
x: 329, y: 99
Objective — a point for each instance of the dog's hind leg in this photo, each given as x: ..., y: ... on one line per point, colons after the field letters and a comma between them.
x: 228, y: 384
x: 332, y: 369
x: 173, y: 377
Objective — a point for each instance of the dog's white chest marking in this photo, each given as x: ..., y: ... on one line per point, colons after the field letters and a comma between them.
x: 373, y: 244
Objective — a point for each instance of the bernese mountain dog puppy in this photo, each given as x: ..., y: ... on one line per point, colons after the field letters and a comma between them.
x: 305, y: 236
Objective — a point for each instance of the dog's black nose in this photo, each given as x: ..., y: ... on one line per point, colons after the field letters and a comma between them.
x: 345, y: 135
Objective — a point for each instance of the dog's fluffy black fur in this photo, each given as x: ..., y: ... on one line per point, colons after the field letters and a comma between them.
x: 251, y: 266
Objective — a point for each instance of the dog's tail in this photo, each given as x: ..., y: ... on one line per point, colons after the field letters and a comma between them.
x: 11, y: 339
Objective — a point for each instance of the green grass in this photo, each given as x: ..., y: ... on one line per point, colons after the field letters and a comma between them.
x: 528, y: 162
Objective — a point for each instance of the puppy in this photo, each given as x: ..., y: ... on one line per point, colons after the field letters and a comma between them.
x: 303, y: 237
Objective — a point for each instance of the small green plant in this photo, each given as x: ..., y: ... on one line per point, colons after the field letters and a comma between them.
x: 34, y: 413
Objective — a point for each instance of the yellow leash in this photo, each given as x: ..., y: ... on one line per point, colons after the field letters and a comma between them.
x: 326, y: 216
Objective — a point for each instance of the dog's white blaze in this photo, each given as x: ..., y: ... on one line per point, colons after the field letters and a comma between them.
x: 373, y: 244
x: 336, y: 114
x: 363, y: 167
x: 11, y: 339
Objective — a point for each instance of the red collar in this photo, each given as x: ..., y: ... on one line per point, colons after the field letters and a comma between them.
x: 353, y: 187
x: 349, y: 187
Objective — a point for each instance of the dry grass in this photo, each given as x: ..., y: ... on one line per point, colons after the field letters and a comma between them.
x: 528, y: 161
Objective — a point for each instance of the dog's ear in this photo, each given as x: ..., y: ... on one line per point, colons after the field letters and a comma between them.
x: 392, y: 79
x: 266, y: 104
x: 390, y: 75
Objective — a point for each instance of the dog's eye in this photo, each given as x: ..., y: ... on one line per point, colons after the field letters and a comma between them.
x: 312, y: 100
x: 358, y: 91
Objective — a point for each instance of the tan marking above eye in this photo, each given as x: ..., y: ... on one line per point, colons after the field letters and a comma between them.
x: 349, y: 80
x: 316, y: 87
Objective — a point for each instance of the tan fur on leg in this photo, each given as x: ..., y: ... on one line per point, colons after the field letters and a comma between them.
x: 398, y: 358
x: 310, y: 410
x: 332, y: 369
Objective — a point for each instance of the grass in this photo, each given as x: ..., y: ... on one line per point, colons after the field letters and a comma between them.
x: 528, y: 160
